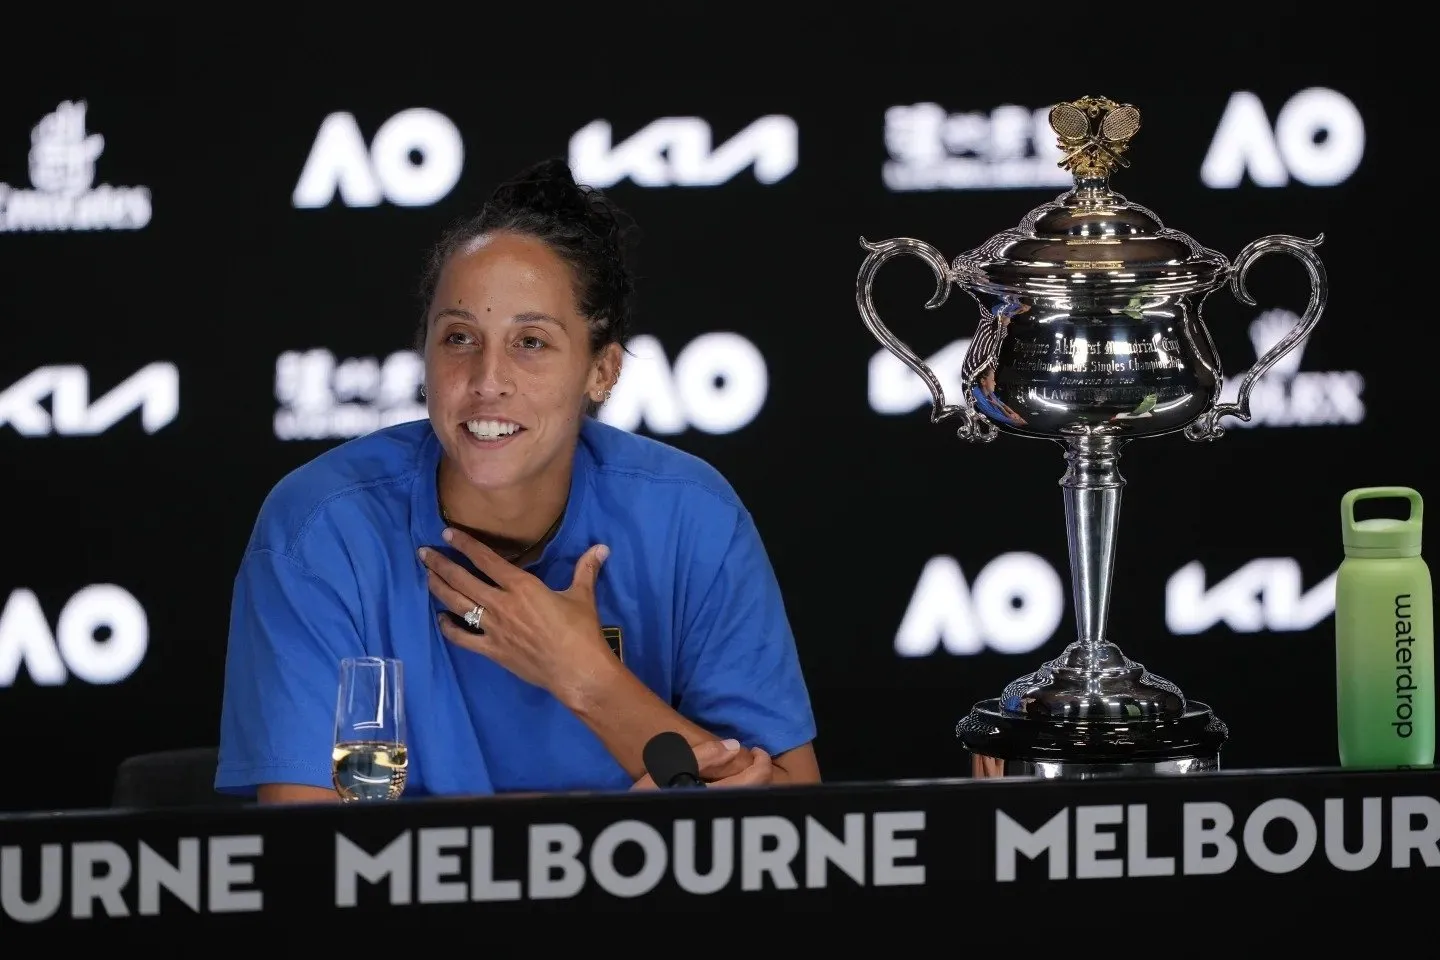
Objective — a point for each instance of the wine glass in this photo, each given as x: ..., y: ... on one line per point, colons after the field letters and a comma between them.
x: 369, y: 761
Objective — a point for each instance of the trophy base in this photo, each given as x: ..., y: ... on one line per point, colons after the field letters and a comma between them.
x: 1003, y: 744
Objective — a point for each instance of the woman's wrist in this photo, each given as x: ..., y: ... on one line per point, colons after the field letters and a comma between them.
x: 592, y: 682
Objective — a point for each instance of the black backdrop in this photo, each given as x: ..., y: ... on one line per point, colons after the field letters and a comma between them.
x: 231, y: 288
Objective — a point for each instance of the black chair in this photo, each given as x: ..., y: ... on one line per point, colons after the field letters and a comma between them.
x: 170, y: 778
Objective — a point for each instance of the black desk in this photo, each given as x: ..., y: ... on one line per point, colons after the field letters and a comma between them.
x: 963, y: 845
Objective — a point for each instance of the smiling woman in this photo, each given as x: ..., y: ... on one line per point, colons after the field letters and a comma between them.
x: 508, y: 368
x: 558, y: 590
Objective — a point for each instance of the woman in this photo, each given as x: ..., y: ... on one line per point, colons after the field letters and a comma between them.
x: 495, y: 546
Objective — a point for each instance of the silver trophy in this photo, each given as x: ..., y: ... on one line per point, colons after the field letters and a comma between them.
x: 1091, y: 335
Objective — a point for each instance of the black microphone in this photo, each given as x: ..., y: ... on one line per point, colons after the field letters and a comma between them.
x: 670, y: 761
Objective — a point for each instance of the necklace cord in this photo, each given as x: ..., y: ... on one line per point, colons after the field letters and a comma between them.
x: 445, y: 515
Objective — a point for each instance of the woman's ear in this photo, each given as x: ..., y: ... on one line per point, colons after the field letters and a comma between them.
x: 605, y: 372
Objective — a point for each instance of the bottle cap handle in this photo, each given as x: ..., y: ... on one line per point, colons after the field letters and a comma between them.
x: 1417, y: 505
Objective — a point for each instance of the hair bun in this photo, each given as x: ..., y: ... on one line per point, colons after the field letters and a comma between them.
x: 578, y: 222
x: 549, y: 187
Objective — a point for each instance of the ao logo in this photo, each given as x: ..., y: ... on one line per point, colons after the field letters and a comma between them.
x: 415, y: 160
x: 77, y: 646
x: 1014, y: 606
x: 717, y: 384
x: 1318, y: 139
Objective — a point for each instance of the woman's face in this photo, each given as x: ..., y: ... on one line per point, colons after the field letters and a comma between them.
x: 508, y: 368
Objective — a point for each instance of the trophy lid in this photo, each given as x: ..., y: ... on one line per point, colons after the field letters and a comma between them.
x: 1091, y: 242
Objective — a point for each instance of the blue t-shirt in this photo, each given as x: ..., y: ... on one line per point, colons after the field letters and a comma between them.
x: 331, y: 572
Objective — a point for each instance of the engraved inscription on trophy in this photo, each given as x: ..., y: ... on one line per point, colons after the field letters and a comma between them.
x: 1106, y: 358
x: 1097, y: 376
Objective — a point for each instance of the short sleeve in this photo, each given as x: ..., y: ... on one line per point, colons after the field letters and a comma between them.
x: 289, y: 630
x: 738, y: 669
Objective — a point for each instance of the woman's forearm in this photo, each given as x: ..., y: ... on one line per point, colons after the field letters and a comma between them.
x: 624, y: 714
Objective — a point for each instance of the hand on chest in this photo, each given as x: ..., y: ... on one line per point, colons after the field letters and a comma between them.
x: 547, y: 623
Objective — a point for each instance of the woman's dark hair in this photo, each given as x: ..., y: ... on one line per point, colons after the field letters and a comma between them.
x: 584, y: 228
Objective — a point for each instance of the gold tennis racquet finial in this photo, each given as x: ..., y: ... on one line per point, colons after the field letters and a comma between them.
x: 1095, y: 133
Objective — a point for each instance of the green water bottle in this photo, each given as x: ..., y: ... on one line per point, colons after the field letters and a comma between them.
x: 1384, y: 638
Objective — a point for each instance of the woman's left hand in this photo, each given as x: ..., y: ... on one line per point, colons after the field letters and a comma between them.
x: 546, y: 637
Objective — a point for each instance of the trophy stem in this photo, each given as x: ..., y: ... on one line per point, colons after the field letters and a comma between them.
x: 1092, y: 678
x: 1091, y: 711
x: 1092, y: 485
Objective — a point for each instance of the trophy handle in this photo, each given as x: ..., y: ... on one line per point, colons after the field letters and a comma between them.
x: 1207, y: 426
x: 972, y: 425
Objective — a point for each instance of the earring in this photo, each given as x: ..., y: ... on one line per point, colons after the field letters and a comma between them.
x: 606, y: 397
x: 422, y: 391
